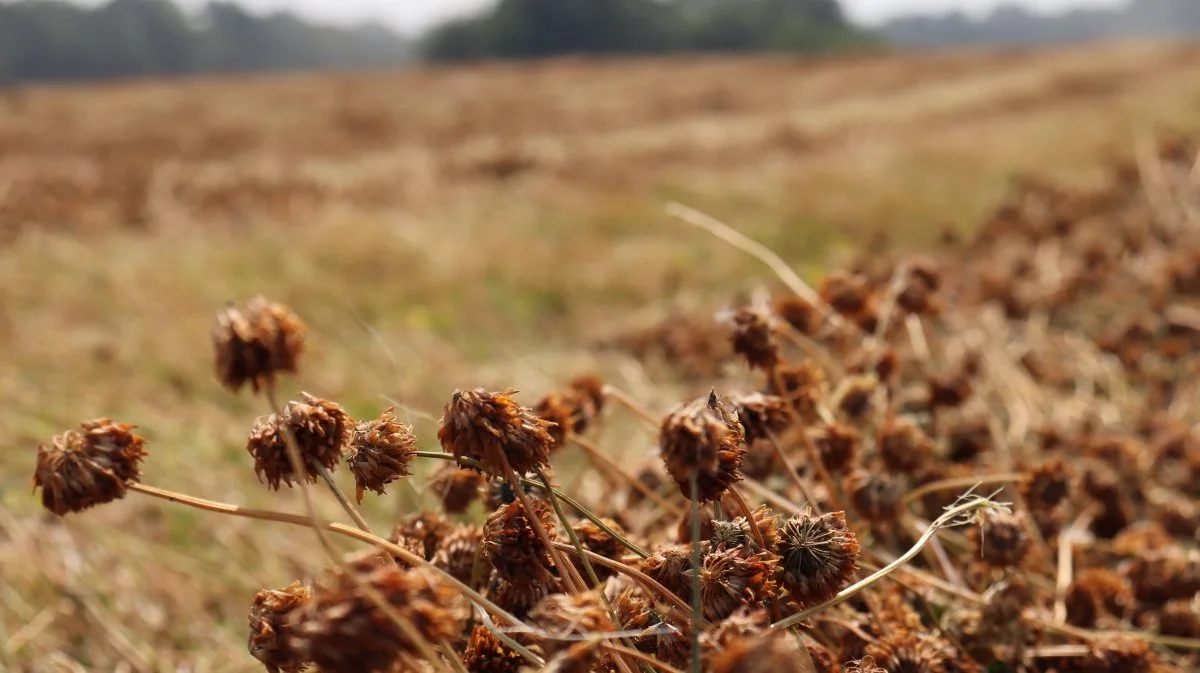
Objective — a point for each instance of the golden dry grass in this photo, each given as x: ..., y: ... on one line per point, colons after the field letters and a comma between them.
x: 439, y: 228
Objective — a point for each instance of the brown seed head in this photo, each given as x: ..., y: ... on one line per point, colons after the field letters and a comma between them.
x: 739, y: 533
x: 320, y: 428
x: 381, y: 451
x: 735, y: 578
x: 818, y: 555
x: 1115, y: 654
x: 564, y: 617
x: 513, y: 547
x: 426, y: 528
x: 88, y: 466
x: 875, y: 496
x: 594, y: 539
x: 775, y: 651
x: 803, y: 384
x: 1001, y: 540
x: 761, y: 415
x: 255, y: 341
x: 907, y: 652
x: 1180, y: 618
x: 837, y: 444
x: 669, y: 566
x: 1095, y: 593
x: 703, y: 437
x: 753, y: 337
x: 800, y: 314
x: 270, y: 639
x: 456, y: 554
x: 574, y: 410
x: 485, y: 653
x: 584, y: 657
x: 847, y: 294
x: 903, y: 445
x: 457, y: 487
x: 341, y: 630
x: 492, y: 428
x: 635, y: 612
x: 853, y: 396
x: 519, y: 599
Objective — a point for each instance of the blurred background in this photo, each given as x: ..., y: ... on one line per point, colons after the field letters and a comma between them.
x: 459, y: 194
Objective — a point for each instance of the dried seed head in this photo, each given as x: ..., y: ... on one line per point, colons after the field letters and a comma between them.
x: 761, y: 415
x: 1094, y: 593
x: 456, y: 554
x: 594, y: 539
x: 818, y: 555
x: 775, y: 651
x: 320, y: 428
x: 905, y: 651
x: 968, y: 439
x: 88, y: 466
x: 734, y: 578
x: 847, y: 294
x: 1166, y: 574
x: 703, y: 437
x: 584, y: 657
x: 342, y: 630
x: 800, y: 314
x: 743, y: 623
x: 948, y: 390
x: 381, y: 451
x: 1115, y: 654
x: 493, y: 429
x: 918, y: 289
x: 1001, y: 540
x: 903, y: 445
x: 754, y: 337
x: 802, y: 384
x: 519, y: 599
x: 270, y: 639
x: 837, y: 445
x: 875, y: 496
x: 864, y: 665
x: 513, y: 547
x: 573, y: 410
x: 254, y: 342
x: 1180, y: 618
x: 485, y: 653
x: 739, y: 533
x: 565, y: 617
x: 635, y: 612
x: 669, y: 566
x: 852, y: 398
x: 457, y: 487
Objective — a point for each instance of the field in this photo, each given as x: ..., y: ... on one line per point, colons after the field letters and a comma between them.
x: 498, y: 226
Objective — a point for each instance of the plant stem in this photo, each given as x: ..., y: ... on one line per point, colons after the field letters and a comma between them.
x: 342, y: 499
x: 697, y: 611
x: 635, y: 574
x: 566, y: 571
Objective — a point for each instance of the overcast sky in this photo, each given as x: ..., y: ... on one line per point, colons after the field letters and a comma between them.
x: 413, y: 15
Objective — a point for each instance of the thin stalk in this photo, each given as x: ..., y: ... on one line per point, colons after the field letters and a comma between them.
x: 636, y: 575
x: 789, y: 466
x: 813, y: 456
x: 959, y: 482
x: 595, y: 452
x: 629, y: 403
x: 944, y: 521
x: 745, y: 507
x: 697, y: 612
x: 566, y: 571
x: 342, y: 499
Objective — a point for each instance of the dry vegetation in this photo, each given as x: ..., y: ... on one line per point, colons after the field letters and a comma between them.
x: 503, y: 226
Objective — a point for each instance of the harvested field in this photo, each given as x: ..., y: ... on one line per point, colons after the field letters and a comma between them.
x: 1003, y: 250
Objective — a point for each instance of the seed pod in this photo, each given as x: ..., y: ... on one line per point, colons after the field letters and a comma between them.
x: 761, y: 415
x: 89, y: 466
x: 754, y: 337
x: 456, y: 553
x: 270, y: 639
x: 381, y: 451
x: 564, y: 617
x: 485, y: 653
x: 457, y: 487
x: 703, y: 437
x: 1001, y: 540
x: 514, y: 548
x: 734, y: 578
x: 255, y: 341
x: 818, y: 555
x: 493, y: 429
x: 320, y: 428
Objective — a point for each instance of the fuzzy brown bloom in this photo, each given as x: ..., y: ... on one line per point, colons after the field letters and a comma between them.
x: 1000, y: 539
x: 492, y: 428
x: 270, y: 639
x: 761, y: 415
x: 426, y: 528
x: 519, y: 599
x: 852, y: 398
x: 847, y: 294
x: 584, y: 657
x: 1094, y: 593
x: 801, y: 315
x: 703, y: 437
x: 565, y: 617
x: 669, y: 566
x: 754, y: 337
x: 635, y: 612
x: 255, y: 341
x: 735, y: 578
x: 875, y: 496
x: 457, y: 487
x: 903, y: 445
x: 1180, y: 618
x: 771, y: 652
x: 341, y: 630
x: 594, y: 539
x: 802, y: 384
x: 818, y: 555
x: 88, y: 466
x: 918, y: 288
x: 967, y: 439
x: 1116, y: 654
x: 907, y: 652
x: 513, y: 547
x: 485, y: 653
x: 456, y: 554
x: 574, y: 410
x: 320, y: 428
x: 381, y: 451
x: 1166, y: 574
x: 837, y: 445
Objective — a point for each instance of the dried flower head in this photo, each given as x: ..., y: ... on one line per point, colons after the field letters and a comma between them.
x: 562, y: 618
x: 1000, y: 538
x: 381, y: 451
x: 270, y: 639
x: 456, y: 553
x: 905, y: 651
x: 574, y: 410
x: 635, y: 612
x: 342, y: 630
x: 320, y: 429
x: 739, y: 532
x: 849, y: 295
x: 494, y: 430
x: 594, y: 539
x: 1180, y: 618
x: 583, y: 657
x: 773, y: 651
x: 703, y: 437
x: 800, y: 314
x: 88, y: 466
x: 761, y: 415
x: 1115, y: 654
x: 255, y: 341
x: 876, y: 496
x: 520, y: 598
x: 457, y: 487
x: 512, y: 546
x: 428, y: 529
x: 734, y: 578
x: 852, y: 398
x: 486, y: 653
x: 903, y: 445
x: 837, y: 444
x: 1095, y: 593
x: 802, y: 384
x: 668, y: 566
x: 818, y: 555
x: 753, y: 337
